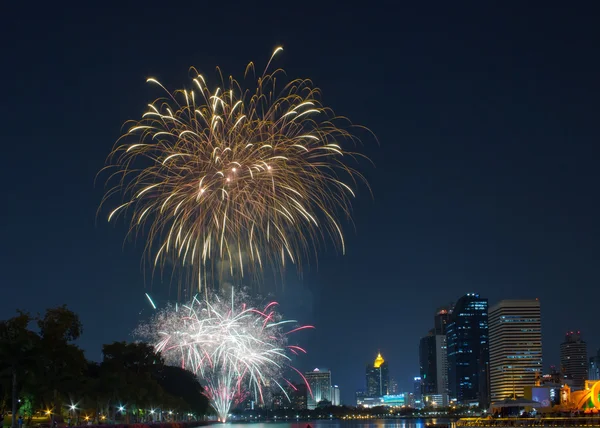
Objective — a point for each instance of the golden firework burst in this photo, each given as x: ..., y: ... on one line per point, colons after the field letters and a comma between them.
x: 250, y: 177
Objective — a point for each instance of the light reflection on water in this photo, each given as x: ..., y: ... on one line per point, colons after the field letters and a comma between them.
x: 372, y: 423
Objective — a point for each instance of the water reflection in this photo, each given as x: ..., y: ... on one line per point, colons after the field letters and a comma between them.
x: 370, y: 423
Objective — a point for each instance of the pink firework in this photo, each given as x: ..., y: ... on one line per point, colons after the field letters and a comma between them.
x: 235, y: 349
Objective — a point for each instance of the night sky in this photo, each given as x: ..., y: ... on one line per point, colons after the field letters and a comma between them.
x: 485, y: 180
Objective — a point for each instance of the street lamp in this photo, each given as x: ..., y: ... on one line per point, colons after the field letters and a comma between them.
x: 72, y: 413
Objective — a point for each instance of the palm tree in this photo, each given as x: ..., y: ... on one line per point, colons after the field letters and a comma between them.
x: 17, y: 354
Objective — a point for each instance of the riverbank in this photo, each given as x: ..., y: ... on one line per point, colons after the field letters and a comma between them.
x: 576, y: 421
x: 193, y: 424
x: 45, y: 423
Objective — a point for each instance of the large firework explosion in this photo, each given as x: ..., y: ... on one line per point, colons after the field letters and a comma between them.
x: 233, y: 177
x: 234, y: 348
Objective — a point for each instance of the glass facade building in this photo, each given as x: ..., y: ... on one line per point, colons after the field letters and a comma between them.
x: 417, y: 390
x: 378, y: 378
x: 319, y: 382
x: 442, y: 318
x: 427, y: 364
x: 574, y: 359
x: 433, y: 363
x: 468, y: 352
x: 336, y: 399
x: 594, y: 370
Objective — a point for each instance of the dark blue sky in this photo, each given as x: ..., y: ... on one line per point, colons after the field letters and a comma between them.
x: 486, y: 178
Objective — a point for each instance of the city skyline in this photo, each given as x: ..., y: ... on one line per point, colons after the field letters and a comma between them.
x: 433, y: 345
x: 483, y: 176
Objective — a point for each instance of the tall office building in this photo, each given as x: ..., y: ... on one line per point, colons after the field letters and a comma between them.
x: 427, y: 364
x: 574, y: 359
x: 594, y: 370
x: 393, y: 386
x: 433, y: 362
x: 336, y: 399
x: 442, y: 318
x: 433, y: 355
x: 515, y: 347
x: 378, y: 378
x: 441, y: 362
x: 418, y: 387
x: 467, y: 343
x: 319, y: 382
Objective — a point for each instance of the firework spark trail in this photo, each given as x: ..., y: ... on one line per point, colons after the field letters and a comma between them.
x: 233, y: 348
x: 250, y: 177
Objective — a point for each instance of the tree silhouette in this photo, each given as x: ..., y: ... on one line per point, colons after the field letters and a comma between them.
x: 17, y: 354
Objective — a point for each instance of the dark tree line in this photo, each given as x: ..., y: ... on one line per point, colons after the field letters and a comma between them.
x: 43, y: 369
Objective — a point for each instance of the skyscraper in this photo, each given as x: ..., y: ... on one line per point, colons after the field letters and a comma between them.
x: 393, y: 386
x: 574, y: 360
x: 319, y: 381
x: 467, y: 343
x: 433, y: 362
x: 418, y: 388
x: 515, y: 347
x: 335, y: 396
x: 378, y: 378
x: 442, y: 318
x: 427, y: 364
x: 441, y: 362
x: 594, y: 370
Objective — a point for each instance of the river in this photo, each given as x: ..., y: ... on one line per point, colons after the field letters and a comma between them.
x: 368, y: 423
